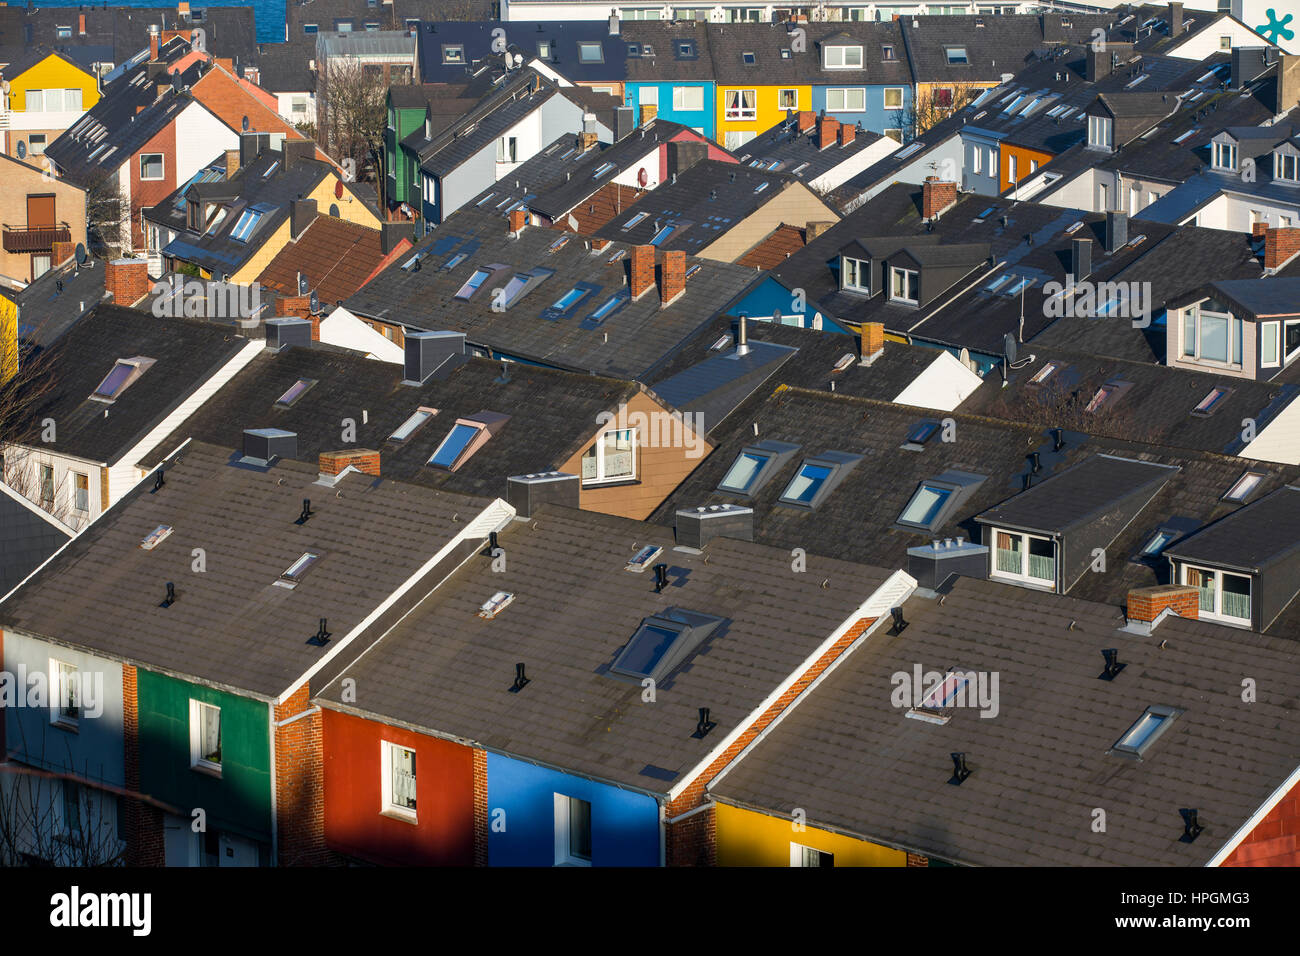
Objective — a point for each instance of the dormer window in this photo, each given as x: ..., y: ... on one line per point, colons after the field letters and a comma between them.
x: 1024, y: 557
x: 1211, y: 334
x: 887, y: 52
x: 935, y: 500
x: 472, y: 284
x: 904, y: 285
x: 842, y: 58
x: 1101, y: 132
x: 123, y: 376
x: 855, y: 274
x: 612, y: 457
x: 1286, y: 166
x: 453, y: 53
x: 663, y: 642
x: 1224, y: 597
x: 1225, y: 156
x: 543, y: 49
x: 816, y: 478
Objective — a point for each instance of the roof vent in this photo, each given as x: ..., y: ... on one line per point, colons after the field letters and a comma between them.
x: 661, y: 577
x: 1113, y: 665
x: 959, y: 769
x: 1191, y: 825
x: 900, y: 625
x: 285, y: 331
x: 527, y: 493
x: 306, y: 512
x: 263, y: 446
x: 170, y: 599
x: 321, y: 637
x: 703, y: 725
x: 521, y: 679
x: 696, y: 527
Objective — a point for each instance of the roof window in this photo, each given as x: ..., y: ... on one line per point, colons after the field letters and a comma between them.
x: 123, y: 376
x: 1244, y: 486
x: 1211, y: 402
x: 1148, y: 728
x: 466, y: 437
x: 817, y: 478
x: 935, y: 500
x: 412, y: 424
x: 293, y: 576
x: 662, y: 642
x: 295, y: 392
x: 755, y: 466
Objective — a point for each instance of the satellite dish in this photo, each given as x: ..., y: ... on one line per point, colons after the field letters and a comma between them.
x: 244, y: 124
x: 642, y: 177
x: 303, y: 284
x: 1009, y: 347
x: 315, y: 302
x: 338, y: 189
x: 22, y: 150
x: 82, y: 256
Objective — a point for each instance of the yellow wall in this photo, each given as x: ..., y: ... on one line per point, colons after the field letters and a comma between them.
x: 355, y: 211
x: 51, y: 73
x: 8, y: 338
x: 768, y: 112
x: 746, y: 838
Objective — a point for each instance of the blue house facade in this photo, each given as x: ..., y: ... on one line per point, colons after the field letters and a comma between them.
x: 878, y: 108
x: 770, y: 301
x: 688, y: 103
x: 543, y: 817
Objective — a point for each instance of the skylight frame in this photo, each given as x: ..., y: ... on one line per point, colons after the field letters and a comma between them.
x: 295, y: 392
x: 1154, y: 722
x: 301, y: 566
x: 413, y: 423
x: 135, y: 367
x: 470, y: 288
x: 940, y: 702
x: 610, y: 306
x: 1212, y: 402
x: 772, y: 454
x: 246, y: 224
x: 468, y: 431
x: 1244, y: 488
x: 835, y: 465
x: 685, y: 631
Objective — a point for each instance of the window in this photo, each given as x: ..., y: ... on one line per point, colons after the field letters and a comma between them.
x: 851, y: 100
x: 66, y: 694
x: 939, y: 702
x: 295, y: 392
x: 472, y: 283
x: 1154, y: 722
x: 1268, y: 344
x: 81, y: 491
x: 925, y: 505
x: 661, y: 234
x: 1157, y: 543
x: 1223, y: 596
x: 648, y: 96
x: 754, y: 466
x: 1244, y: 487
x: 590, y: 52
x: 1013, y: 174
x: 816, y: 478
x: 1225, y: 156
x: 412, y: 424
x: 521, y: 283
x: 741, y: 104
x: 734, y: 139
x: 787, y: 99
x: 887, y: 52
x: 855, y: 274
x: 904, y: 285
x: 1211, y: 402
x: 36, y: 144
x: 1211, y: 334
x: 943, y: 97
x: 1101, y: 132
x: 1286, y: 166
x: 507, y: 149
x: 1025, y: 557
x: 894, y: 98
x: 662, y: 642
x: 205, y: 736
x: 64, y: 33
x: 310, y: 28
x: 1225, y: 43
x: 244, y: 226
x: 452, y: 450
x: 843, y: 57
x: 688, y: 97
x: 47, y: 486
x: 294, y: 574
x: 807, y: 856
x: 809, y: 479
x: 572, y: 831
x: 609, y: 307
x: 123, y: 375
x: 956, y: 54
x: 151, y: 166
x: 1044, y: 373
x: 748, y: 58
x: 343, y: 26
x: 543, y: 49
x: 397, y: 765
x: 72, y: 809
x: 612, y: 457
x: 636, y: 218
x: 571, y: 298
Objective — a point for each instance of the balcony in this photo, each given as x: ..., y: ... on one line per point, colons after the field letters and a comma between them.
x: 38, y: 239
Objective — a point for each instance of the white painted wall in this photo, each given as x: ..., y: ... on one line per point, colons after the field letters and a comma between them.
x: 200, y: 138
x: 1279, y: 440
x: 1078, y: 193
x: 944, y: 384
x: 1207, y: 42
x: 284, y: 106
x: 23, y: 468
x: 854, y: 164
x: 344, y: 329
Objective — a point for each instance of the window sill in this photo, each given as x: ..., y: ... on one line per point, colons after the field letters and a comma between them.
x: 64, y: 724
x: 611, y: 483
x: 1036, y: 584
x: 404, y: 816
x: 206, y: 770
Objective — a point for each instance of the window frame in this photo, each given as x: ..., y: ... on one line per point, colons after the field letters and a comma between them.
x: 1023, y: 576
x: 740, y: 112
x: 388, y: 807
x: 600, y: 477
x: 894, y: 273
x: 584, y: 48
x: 564, y: 822
x: 1217, y: 613
x: 1195, y: 314
x: 844, y: 92
x: 162, y: 167
x: 843, y: 49
x: 197, y: 760
x: 679, y: 104
x: 951, y: 59
x: 57, y: 695
x: 466, y: 450
x: 1167, y: 717
x: 861, y: 267
x: 781, y: 95
x: 885, y: 97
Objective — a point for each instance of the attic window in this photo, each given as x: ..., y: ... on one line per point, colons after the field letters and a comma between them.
x: 685, y: 50
x: 661, y: 235
x: 294, y: 575
x: 634, y: 49
x: 634, y: 220
x: 956, y: 54
x: 271, y: 169
x: 1108, y: 394
x: 609, y: 306
x: 472, y: 283
x: 453, y: 53
x: 521, y: 283
x: 567, y: 302
x: 123, y: 376
x: 1047, y: 371
x: 1138, y: 738
x: 412, y: 424
x: 937, y: 706
x: 816, y: 478
x: 662, y: 642
x: 935, y: 500
x: 1158, y: 542
x: 454, y: 261
x: 919, y: 434
x: 754, y: 466
x: 558, y: 244
x: 295, y: 392
x: 1211, y: 402
x: 602, y: 169
x: 247, y: 222
x: 590, y: 52
x: 452, y: 451
x: 787, y: 54
x: 1244, y: 487
x: 748, y: 57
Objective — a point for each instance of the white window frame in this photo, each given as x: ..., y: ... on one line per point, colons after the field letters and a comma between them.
x: 563, y: 838
x: 1236, y: 338
x: 838, y: 57
x: 162, y: 162
x: 1023, y: 576
x: 680, y: 98
x: 885, y: 97
x: 64, y: 676
x: 977, y: 160
x: 894, y: 271
x: 740, y: 111
x: 861, y: 269
x: 780, y: 95
x: 1225, y: 156
x: 600, y: 477
x: 388, y: 808
x: 1267, y: 330
x: 1217, y: 613
x: 843, y: 92
x: 76, y: 504
x: 1101, y: 131
x: 1281, y: 160
x: 797, y: 851
x: 197, y: 760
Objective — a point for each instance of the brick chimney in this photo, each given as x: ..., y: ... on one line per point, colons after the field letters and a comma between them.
x: 232, y: 163
x: 518, y: 219
x: 81, y: 25
x: 1147, y: 604
x: 642, y: 278
x: 936, y: 196
x: 586, y: 140
x: 873, y: 342
x: 1280, y: 245
x: 672, y: 276
x: 1258, y: 229
x: 153, y: 44
x: 846, y: 134
x: 826, y: 128
x: 127, y: 280
x: 61, y: 252
x: 365, y: 460
x: 648, y: 112
x: 806, y: 119
x: 1175, y: 19
x: 599, y: 245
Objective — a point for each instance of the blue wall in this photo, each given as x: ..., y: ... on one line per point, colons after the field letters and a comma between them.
x: 769, y: 295
x: 624, y: 825
x: 696, y: 119
x: 875, y: 118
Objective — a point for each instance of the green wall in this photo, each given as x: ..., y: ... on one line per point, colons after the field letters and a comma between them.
x: 240, y: 800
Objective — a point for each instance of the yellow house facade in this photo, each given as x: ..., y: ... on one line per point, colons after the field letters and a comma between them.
x: 47, y: 93
x: 749, y: 838
x: 745, y: 110
x: 8, y: 338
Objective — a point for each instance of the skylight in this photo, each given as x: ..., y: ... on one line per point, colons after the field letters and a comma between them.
x: 920, y: 433
x: 999, y: 281
x: 754, y: 466
x: 412, y: 424
x: 558, y: 244
x: 295, y: 392
x: 662, y: 234
x: 610, y: 306
x: 805, y: 485
x: 1183, y: 136
x: 634, y: 220
x: 926, y: 503
x: 1244, y: 486
x: 1212, y: 401
x: 908, y: 151
x: 521, y: 283
x: 816, y: 478
x: 472, y: 283
x: 602, y: 169
x: 936, y: 500
x: 454, y: 446
x: 1044, y: 373
x: 937, y: 706
x: 454, y: 261
x: 662, y: 642
x: 1158, y: 542
x: 294, y: 575
x: 122, y: 376
x: 245, y: 225
x: 571, y: 298
x: 1138, y: 738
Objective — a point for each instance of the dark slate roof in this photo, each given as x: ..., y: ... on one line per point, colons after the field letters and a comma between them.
x: 714, y: 387
x: 28, y: 536
x: 476, y: 39
x: 448, y: 670
x: 116, y: 33
x: 708, y: 200
x: 186, y: 355
x: 670, y: 63
x: 57, y: 300
x: 1251, y: 539
x: 855, y: 762
x: 797, y: 153
x: 30, y: 57
x: 872, y: 496
x: 231, y: 626
x: 629, y: 343
x: 546, y: 179
x: 1273, y: 296
x: 283, y: 67
x: 994, y: 44
x: 776, y: 61
x: 552, y: 414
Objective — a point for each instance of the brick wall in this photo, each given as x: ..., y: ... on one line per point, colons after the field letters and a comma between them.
x: 691, y: 843
x: 481, y: 817
x: 128, y: 280
x: 936, y: 196
x: 144, y: 823
x: 1275, y: 841
x: 672, y: 277
x: 1146, y: 604
x: 298, y: 307
x: 914, y: 859
x: 300, y: 785
x: 362, y: 459
x: 1280, y: 245
x: 642, y: 277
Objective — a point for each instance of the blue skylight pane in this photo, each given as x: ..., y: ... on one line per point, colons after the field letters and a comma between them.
x: 567, y: 301
x: 1141, y: 732
x: 453, y: 445
x: 114, y: 380
x: 647, y: 649
x: 805, y: 484
x: 295, y: 392
x: 662, y: 234
x: 472, y: 283
x: 1159, y: 541
x: 408, y: 427
x: 741, y: 475
x: 925, y: 505
x: 609, y: 305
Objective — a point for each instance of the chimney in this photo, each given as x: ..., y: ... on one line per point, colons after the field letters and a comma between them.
x: 1098, y: 64
x: 364, y: 460
x: 672, y: 275
x: 232, y: 163
x: 599, y: 245
x: 518, y: 220
x: 873, y: 342
x: 153, y: 43
x: 847, y: 133
x: 430, y: 354
x: 683, y: 154
x: 826, y: 128
x: 587, y: 139
x: 391, y: 235
x: 292, y: 150
x: 642, y: 278
x: 1258, y: 229
x: 1280, y: 245
x: 814, y: 229
x: 527, y: 493
x: 1145, y: 605
x: 1247, y: 63
x: 648, y: 112
x: 936, y: 197
x: 289, y: 329
x: 61, y: 252
x: 302, y: 213
x: 1116, y: 231
x: 806, y: 119
x: 81, y: 25
x: 696, y: 527
x: 1175, y: 19
x: 1288, y: 82
x: 262, y: 446
x: 1081, y: 259
x: 127, y: 280
x: 250, y: 144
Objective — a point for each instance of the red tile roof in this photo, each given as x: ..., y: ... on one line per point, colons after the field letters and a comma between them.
x: 781, y: 243
x: 337, y: 258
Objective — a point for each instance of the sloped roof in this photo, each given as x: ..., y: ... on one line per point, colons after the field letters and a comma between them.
x: 335, y: 256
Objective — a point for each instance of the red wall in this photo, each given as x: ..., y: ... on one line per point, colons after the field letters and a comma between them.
x: 444, y: 774
x: 146, y: 193
x: 1276, y: 840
